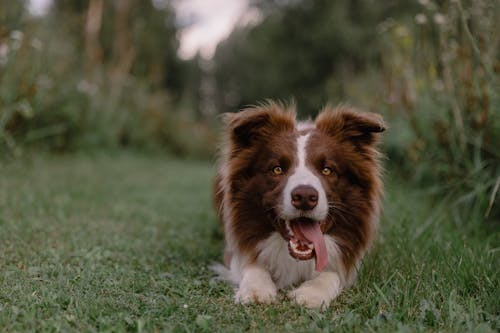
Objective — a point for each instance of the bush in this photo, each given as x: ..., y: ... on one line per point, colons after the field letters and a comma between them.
x: 50, y: 100
x: 442, y: 77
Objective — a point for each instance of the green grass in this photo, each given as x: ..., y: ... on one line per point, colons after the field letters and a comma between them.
x: 122, y: 243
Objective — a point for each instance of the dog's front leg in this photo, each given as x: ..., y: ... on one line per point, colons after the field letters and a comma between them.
x: 256, y: 286
x: 318, y: 292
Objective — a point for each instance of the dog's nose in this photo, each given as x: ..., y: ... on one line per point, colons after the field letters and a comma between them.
x: 304, y: 197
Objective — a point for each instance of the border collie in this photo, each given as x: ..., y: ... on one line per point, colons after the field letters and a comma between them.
x: 299, y: 202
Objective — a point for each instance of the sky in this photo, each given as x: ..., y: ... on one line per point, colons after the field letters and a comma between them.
x: 205, y: 22
x: 213, y: 20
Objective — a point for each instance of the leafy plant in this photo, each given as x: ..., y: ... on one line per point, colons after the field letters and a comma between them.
x: 443, y: 92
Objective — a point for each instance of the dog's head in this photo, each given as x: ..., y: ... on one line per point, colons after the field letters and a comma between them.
x: 303, y: 180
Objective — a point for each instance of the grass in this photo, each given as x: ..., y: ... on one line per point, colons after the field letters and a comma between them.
x: 122, y: 243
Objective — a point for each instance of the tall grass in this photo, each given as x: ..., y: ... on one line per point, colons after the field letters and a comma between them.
x: 441, y: 71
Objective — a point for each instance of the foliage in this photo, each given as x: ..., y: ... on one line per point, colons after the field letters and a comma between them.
x: 443, y: 92
x: 106, y: 244
x: 63, y: 88
x: 302, y: 50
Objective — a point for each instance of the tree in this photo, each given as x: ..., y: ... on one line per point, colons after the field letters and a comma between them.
x: 297, y: 48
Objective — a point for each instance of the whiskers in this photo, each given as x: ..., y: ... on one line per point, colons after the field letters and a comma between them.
x: 277, y: 221
x: 337, y: 209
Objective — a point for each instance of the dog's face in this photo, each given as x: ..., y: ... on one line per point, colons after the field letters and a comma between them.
x: 302, y: 180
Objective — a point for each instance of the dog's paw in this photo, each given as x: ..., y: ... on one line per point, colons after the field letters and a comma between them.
x: 249, y: 295
x: 319, y: 292
x: 256, y: 286
x: 310, y: 296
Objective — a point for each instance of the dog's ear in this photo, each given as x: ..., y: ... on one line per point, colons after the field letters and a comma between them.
x: 244, y: 126
x: 258, y: 122
x: 351, y: 124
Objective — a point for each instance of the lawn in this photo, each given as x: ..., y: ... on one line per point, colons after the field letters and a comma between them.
x: 122, y: 242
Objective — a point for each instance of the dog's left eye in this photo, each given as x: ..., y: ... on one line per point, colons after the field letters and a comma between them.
x: 327, y: 171
x: 277, y: 170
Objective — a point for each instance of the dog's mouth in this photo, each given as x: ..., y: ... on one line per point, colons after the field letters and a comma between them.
x: 306, y: 241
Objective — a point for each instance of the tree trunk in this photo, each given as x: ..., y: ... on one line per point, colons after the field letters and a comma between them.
x: 93, y: 51
x: 123, y: 50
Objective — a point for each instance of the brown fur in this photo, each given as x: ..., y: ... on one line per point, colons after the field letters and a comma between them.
x: 262, y: 137
x: 347, y: 139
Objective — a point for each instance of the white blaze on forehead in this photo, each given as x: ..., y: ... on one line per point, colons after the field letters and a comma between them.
x: 305, y: 125
x: 303, y: 175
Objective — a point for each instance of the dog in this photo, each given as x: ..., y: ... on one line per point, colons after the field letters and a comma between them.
x: 299, y: 202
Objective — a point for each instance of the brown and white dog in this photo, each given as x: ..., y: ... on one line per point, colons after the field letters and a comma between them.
x: 288, y: 192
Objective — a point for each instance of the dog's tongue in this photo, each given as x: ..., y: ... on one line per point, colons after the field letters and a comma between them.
x: 312, y: 232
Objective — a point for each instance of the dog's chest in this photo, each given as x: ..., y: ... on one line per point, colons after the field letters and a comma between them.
x: 284, y: 269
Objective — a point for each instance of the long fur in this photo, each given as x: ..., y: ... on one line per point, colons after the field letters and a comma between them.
x: 254, y: 206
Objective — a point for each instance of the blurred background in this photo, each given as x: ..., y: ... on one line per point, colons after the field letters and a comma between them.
x: 153, y: 75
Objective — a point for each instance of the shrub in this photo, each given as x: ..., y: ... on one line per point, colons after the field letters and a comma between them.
x: 48, y: 101
x: 441, y: 73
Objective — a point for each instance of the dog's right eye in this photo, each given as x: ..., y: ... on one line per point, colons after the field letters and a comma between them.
x: 277, y: 170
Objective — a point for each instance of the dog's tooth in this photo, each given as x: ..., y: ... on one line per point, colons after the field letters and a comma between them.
x: 296, y: 244
x: 289, y: 229
x: 303, y: 253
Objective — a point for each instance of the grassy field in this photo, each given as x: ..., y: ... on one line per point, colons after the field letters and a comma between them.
x: 122, y: 243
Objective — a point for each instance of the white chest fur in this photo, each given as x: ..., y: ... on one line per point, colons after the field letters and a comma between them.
x: 284, y: 269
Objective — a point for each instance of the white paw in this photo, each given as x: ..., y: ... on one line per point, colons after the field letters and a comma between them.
x: 264, y: 294
x: 256, y: 286
x: 317, y: 293
x: 310, y: 296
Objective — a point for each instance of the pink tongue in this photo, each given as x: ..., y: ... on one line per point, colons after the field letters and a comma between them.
x: 312, y: 232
